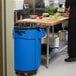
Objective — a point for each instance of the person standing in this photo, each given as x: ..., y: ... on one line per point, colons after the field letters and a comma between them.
x: 18, y: 8
x: 71, y: 7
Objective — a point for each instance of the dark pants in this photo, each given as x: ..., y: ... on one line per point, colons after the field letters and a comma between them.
x: 24, y: 13
x: 19, y: 14
x: 72, y: 38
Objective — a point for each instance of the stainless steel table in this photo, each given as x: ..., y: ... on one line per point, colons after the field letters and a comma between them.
x: 47, y: 23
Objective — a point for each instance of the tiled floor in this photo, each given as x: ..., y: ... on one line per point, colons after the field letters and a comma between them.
x: 58, y: 67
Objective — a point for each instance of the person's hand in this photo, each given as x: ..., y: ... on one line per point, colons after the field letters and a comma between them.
x: 68, y: 9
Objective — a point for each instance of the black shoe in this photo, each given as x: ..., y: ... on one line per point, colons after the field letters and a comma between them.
x: 70, y: 59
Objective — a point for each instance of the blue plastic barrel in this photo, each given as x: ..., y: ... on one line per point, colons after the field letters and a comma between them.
x: 27, y: 49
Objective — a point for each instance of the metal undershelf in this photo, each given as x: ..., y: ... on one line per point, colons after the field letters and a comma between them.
x: 55, y: 51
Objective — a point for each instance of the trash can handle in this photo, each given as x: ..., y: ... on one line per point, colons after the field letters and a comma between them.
x: 20, y: 32
x: 42, y: 33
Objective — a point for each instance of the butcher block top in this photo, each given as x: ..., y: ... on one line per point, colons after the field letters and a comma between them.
x: 46, y: 21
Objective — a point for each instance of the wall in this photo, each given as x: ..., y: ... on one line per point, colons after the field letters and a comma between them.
x: 6, y: 38
x: 9, y: 23
x: 1, y: 53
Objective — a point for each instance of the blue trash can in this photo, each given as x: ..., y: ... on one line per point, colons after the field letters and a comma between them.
x: 27, y: 49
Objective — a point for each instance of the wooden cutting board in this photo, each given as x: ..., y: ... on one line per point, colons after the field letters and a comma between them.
x: 45, y: 21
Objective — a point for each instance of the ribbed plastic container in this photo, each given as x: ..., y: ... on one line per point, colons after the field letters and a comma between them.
x: 27, y: 49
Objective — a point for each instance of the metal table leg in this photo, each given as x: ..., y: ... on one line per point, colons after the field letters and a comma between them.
x: 63, y: 25
x: 48, y: 31
x: 52, y: 36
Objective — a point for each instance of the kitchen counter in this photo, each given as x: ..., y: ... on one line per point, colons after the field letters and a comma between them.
x: 47, y: 21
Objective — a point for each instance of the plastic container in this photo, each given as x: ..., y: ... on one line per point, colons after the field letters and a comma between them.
x: 27, y: 49
x: 63, y: 35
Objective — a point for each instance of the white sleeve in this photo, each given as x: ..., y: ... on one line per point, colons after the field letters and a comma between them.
x: 46, y: 3
x: 19, y: 4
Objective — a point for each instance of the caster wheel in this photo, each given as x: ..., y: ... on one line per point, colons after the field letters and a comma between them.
x: 32, y: 73
x: 17, y: 73
x: 29, y: 74
x: 20, y: 74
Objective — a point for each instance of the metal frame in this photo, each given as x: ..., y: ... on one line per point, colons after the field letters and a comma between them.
x: 48, y: 45
x: 2, y: 40
x: 48, y: 31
